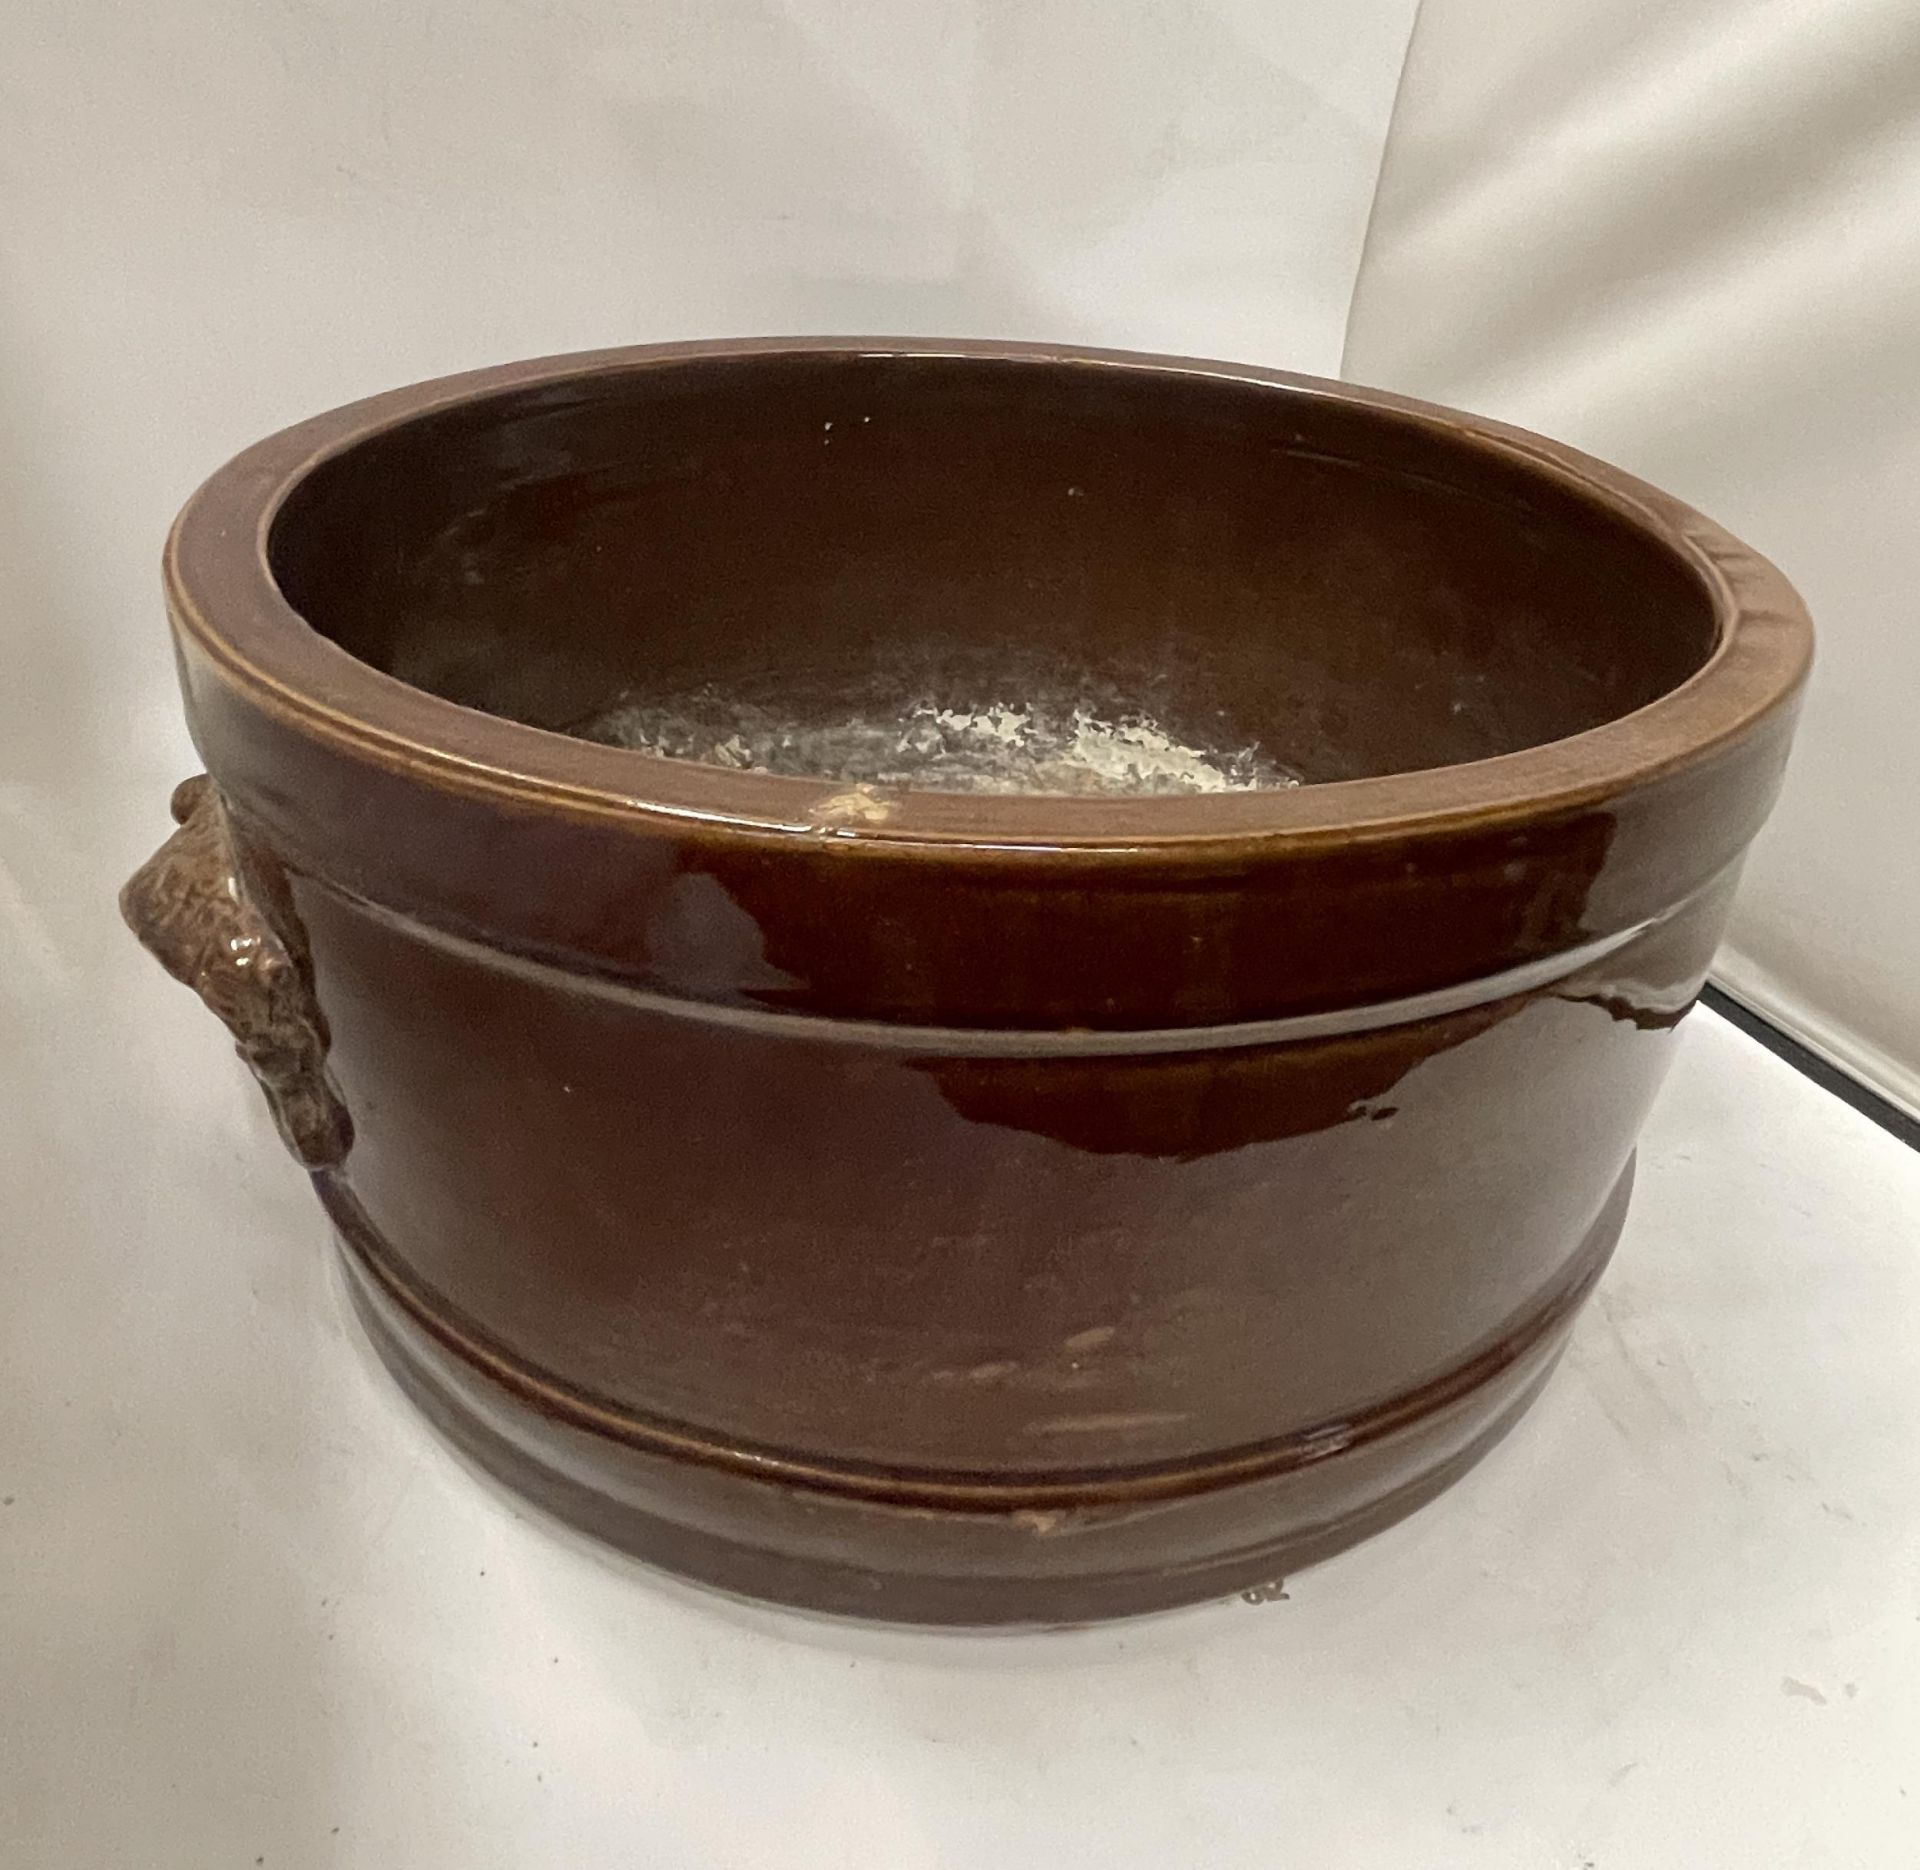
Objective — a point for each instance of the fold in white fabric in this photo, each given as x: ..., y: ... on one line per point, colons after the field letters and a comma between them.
x: 1686, y: 236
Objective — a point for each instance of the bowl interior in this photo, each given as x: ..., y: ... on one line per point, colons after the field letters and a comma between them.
x: 794, y: 560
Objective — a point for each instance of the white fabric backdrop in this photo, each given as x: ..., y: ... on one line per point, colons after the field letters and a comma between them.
x: 222, y: 214
x: 1685, y: 235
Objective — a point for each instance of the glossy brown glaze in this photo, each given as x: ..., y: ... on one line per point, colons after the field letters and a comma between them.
x: 965, y: 1208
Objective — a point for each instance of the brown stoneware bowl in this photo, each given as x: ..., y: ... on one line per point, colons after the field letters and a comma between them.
x: 925, y: 1204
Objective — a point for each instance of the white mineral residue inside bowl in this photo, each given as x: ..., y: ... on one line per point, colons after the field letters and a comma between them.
x: 1000, y: 745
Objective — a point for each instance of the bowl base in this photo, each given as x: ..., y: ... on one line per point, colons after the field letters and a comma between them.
x: 859, y: 1553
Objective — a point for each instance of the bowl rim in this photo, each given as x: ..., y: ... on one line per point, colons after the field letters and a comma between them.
x: 223, y: 597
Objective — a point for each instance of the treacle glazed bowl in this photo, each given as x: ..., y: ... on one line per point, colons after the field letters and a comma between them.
x: 939, y: 1205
